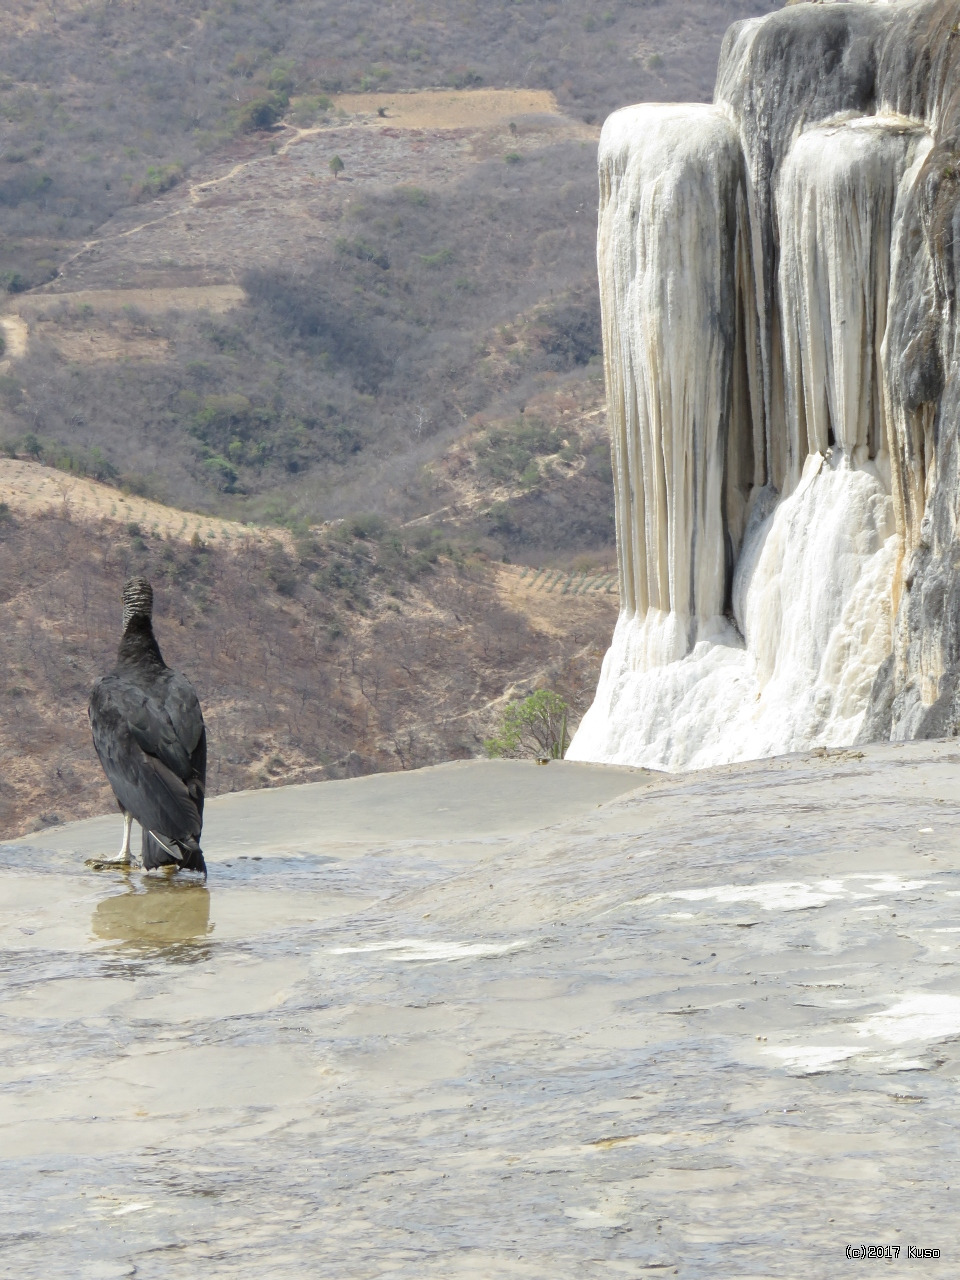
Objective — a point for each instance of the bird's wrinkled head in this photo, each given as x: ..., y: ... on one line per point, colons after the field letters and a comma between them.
x: 137, y: 600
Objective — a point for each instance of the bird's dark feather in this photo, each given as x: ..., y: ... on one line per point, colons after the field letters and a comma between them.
x: 149, y: 734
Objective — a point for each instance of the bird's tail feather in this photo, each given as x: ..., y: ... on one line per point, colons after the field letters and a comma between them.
x: 163, y: 851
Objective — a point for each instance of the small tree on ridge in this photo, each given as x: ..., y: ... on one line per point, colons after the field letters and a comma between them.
x: 534, y: 726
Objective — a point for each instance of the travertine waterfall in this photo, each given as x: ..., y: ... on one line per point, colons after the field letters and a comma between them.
x: 777, y: 278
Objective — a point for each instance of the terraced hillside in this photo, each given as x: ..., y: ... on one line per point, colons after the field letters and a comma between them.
x: 310, y: 340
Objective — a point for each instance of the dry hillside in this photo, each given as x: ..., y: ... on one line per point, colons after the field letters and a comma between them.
x: 349, y: 649
x: 201, y: 307
x: 266, y: 340
x: 298, y: 315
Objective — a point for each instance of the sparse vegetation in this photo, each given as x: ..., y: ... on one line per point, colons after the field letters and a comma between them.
x: 534, y: 726
x: 308, y: 109
x: 351, y: 634
x: 158, y: 178
x: 82, y: 131
x: 390, y: 338
x: 428, y: 353
x: 510, y: 454
x: 383, y: 343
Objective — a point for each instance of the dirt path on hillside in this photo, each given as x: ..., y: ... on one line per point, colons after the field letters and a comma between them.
x: 16, y: 335
x: 475, y: 110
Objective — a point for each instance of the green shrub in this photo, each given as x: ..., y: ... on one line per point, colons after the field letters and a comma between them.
x: 501, y: 519
x: 308, y: 109
x: 223, y: 472
x: 281, y: 81
x: 261, y: 112
x: 158, y: 179
x: 367, y: 526
x: 32, y: 446
x: 530, y: 477
x: 535, y: 726
x: 78, y: 461
x: 362, y: 251
x: 98, y: 466
x: 508, y: 455
x: 439, y: 259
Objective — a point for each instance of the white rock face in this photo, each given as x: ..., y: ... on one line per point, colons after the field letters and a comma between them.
x: 813, y: 623
x: 767, y: 479
x: 836, y: 205
x: 669, y: 180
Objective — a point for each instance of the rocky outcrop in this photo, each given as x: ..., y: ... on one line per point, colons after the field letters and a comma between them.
x: 779, y: 279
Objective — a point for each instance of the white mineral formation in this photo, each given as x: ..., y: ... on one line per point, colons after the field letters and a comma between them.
x: 770, y: 466
x: 669, y: 179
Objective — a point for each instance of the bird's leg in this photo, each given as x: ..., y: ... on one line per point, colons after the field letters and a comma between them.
x: 123, y: 858
x: 124, y: 854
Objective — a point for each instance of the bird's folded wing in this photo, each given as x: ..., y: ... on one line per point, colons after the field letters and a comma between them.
x: 182, y: 708
x: 153, y: 729
x: 149, y: 769
x: 167, y: 804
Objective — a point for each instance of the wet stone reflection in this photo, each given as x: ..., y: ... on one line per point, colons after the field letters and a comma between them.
x: 155, y: 913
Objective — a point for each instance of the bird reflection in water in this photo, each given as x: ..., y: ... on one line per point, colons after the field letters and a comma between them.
x: 158, y: 915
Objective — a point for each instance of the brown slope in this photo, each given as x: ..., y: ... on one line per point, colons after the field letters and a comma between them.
x: 352, y: 654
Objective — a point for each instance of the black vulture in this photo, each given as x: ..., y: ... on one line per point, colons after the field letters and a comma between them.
x: 148, y: 732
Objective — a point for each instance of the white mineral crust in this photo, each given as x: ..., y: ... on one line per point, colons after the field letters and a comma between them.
x: 758, y: 572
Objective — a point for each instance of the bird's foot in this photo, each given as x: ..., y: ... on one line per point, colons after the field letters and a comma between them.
x: 112, y: 864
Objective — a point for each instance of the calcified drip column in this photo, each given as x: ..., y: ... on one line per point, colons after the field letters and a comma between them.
x: 836, y: 208
x: 746, y: 289
x: 669, y: 181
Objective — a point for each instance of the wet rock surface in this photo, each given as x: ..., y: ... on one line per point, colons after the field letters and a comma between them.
x: 495, y: 1019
